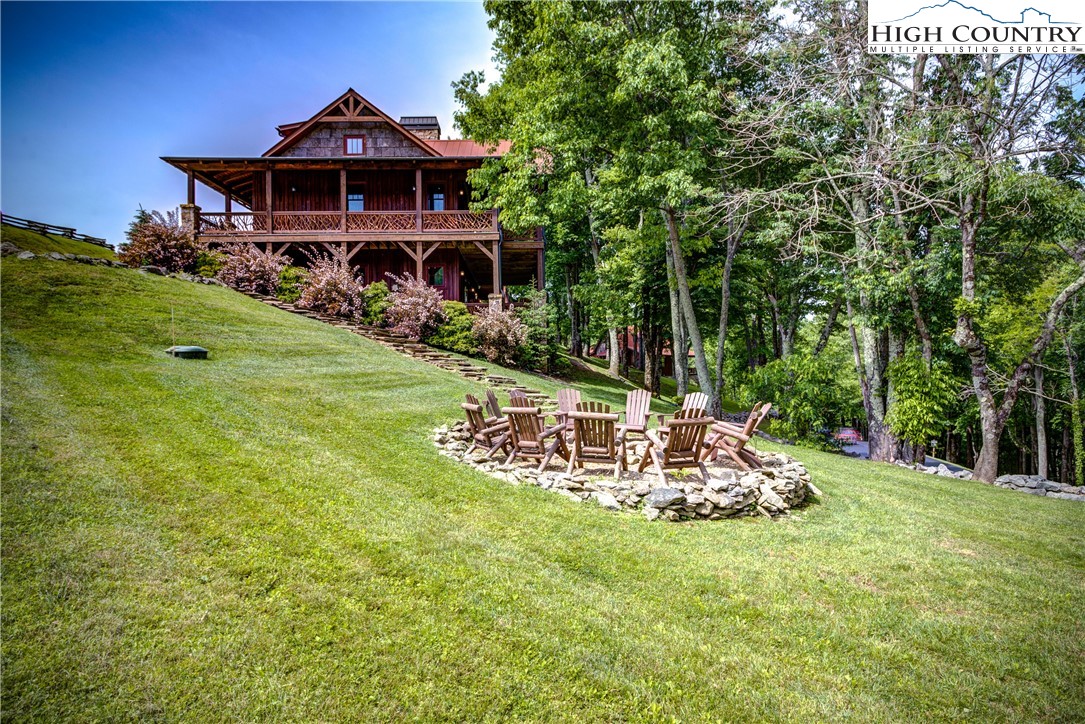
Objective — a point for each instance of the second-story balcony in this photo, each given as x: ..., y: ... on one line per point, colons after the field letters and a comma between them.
x: 247, y: 223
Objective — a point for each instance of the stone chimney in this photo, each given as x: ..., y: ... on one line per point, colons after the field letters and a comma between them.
x: 425, y: 127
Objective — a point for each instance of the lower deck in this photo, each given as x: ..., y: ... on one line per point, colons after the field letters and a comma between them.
x: 464, y: 271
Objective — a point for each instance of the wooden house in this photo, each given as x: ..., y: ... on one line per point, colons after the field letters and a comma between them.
x: 389, y: 195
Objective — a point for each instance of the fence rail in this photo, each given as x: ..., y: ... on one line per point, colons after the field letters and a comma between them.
x: 43, y: 228
x: 244, y: 223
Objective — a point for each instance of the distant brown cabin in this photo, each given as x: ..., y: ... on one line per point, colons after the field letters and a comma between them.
x: 392, y: 197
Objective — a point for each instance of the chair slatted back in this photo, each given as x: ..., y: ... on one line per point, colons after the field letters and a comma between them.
x: 476, y: 421
x: 686, y: 433
x: 492, y: 407
x: 525, y: 427
x: 695, y: 401
x: 517, y: 398
x: 637, y: 403
x: 593, y: 434
x: 568, y: 399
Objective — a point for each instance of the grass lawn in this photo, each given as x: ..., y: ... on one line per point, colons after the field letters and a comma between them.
x: 270, y: 534
x: 44, y: 243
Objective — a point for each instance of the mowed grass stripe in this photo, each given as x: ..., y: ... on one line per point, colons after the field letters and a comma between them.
x: 270, y: 534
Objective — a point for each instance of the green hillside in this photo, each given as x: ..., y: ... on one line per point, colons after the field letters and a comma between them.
x: 44, y: 243
x: 270, y: 534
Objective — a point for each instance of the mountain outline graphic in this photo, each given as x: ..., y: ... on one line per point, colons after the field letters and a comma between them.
x: 987, y: 15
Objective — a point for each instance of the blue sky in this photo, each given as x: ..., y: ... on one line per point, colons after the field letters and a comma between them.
x: 93, y: 93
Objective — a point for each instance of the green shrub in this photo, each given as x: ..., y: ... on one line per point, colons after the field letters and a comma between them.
x: 923, y: 399
x: 209, y: 263
x: 377, y: 300
x: 291, y: 280
x: 805, y: 392
x: 455, y: 334
x: 540, y: 349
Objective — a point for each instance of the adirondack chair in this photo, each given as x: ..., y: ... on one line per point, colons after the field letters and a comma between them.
x: 492, y: 408
x: 488, y: 434
x: 682, y: 448
x: 568, y: 399
x: 517, y: 398
x: 692, y: 402
x: 597, y: 437
x: 637, y: 403
x: 529, y: 439
x: 732, y: 439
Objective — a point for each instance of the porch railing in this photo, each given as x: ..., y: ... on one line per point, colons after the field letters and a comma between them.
x: 380, y: 221
x: 457, y: 221
x: 233, y: 223
x: 247, y: 222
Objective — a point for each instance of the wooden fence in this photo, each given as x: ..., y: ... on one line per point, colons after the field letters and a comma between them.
x: 41, y: 228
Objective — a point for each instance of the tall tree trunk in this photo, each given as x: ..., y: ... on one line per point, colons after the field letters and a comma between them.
x: 678, y: 331
x: 1077, y: 424
x: 1041, y: 425
x: 716, y: 403
x: 704, y: 379
x: 652, y: 347
x: 613, y: 353
x: 830, y: 322
x: 575, y: 344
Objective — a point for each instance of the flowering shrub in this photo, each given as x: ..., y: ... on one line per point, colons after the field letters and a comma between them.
x: 209, y: 263
x: 155, y: 239
x: 376, y: 297
x: 331, y: 288
x: 499, y: 334
x: 457, y: 333
x: 248, y: 269
x: 415, y: 309
x: 291, y: 280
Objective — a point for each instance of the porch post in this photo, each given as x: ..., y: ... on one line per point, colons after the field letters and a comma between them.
x: 191, y: 188
x: 497, y: 268
x: 229, y: 208
x: 190, y: 212
x: 418, y: 199
x: 343, y: 200
x: 267, y: 190
x: 540, y: 270
x: 418, y: 259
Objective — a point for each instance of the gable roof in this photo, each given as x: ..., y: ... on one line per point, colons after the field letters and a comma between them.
x: 349, y: 106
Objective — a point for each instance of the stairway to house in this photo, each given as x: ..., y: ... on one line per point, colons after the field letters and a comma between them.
x: 459, y: 364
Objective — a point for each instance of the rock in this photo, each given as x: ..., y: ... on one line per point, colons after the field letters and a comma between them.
x: 651, y: 513
x: 670, y: 515
x: 813, y: 489
x: 662, y: 497
x: 1067, y: 496
x: 55, y: 256
x: 26, y: 255
x: 694, y: 499
x: 769, y: 497
x: 1032, y: 491
x: 606, y: 500
x: 7, y: 248
x: 704, y: 509
x: 151, y: 269
x: 570, y: 495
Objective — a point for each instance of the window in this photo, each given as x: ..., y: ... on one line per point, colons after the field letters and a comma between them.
x: 354, y: 145
x: 437, y: 197
x: 436, y: 275
x: 356, y: 201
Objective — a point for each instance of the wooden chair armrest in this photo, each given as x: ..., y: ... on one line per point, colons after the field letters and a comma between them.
x: 499, y: 427
x: 556, y: 428
x: 654, y: 438
x: 621, y: 436
x: 594, y: 416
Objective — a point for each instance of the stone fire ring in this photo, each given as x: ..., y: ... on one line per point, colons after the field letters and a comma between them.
x: 782, y: 484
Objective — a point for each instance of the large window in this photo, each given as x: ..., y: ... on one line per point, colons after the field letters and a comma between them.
x: 437, y: 197
x: 436, y: 276
x: 354, y: 145
x: 355, y: 201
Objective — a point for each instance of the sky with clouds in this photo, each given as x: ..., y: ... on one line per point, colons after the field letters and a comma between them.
x: 91, y: 94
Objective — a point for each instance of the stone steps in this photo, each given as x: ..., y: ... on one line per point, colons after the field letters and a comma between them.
x: 463, y: 366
